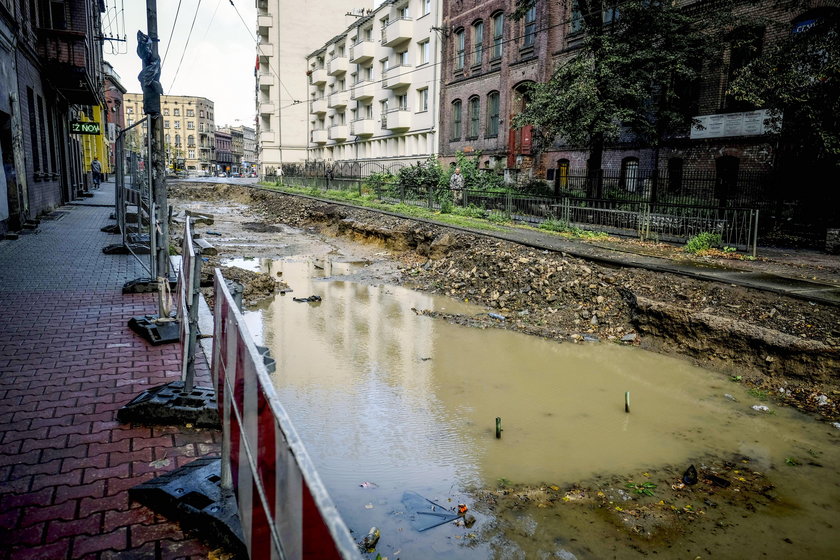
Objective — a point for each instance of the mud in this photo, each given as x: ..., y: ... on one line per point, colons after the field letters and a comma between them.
x: 787, y: 346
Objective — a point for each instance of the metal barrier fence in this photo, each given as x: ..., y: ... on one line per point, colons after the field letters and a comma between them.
x: 284, y: 508
x: 189, y: 293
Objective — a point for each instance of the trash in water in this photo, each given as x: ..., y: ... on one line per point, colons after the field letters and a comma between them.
x: 308, y: 299
x: 496, y: 316
x: 370, y: 540
x: 690, y: 476
x: 425, y: 514
x: 369, y: 485
x: 213, y: 233
x: 717, y: 481
x: 462, y: 508
x: 760, y: 408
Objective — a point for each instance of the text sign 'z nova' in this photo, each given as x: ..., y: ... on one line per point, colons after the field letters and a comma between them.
x: 78, y: 127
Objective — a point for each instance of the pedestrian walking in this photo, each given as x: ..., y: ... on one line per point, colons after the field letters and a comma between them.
x: 96, y: 170
x: 456, y: 185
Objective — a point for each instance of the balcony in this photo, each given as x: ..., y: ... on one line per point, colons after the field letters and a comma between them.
x: 264, y: 23
x: 319, y: 136
x: 397, y: 120
x: 319, y: 76
x: 397, y: 77
x: 265, y: 80
x: 339, y: 132
x: 339, y: 99
x: 363, y: 127
x: 67, y: 61
x: 362, y: 52
x: 267, y: 108
x: 265, y: 49
x: 397, y: 31
x: 363, y: 91
x: 338, y: 65
x: 319, y: 106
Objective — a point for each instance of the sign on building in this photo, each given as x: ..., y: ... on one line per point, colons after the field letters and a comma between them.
x: 750, y: 123
x: 79, y: 127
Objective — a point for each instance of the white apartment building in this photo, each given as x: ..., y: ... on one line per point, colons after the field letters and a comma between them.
x: 374, y: 89
x: 288, y: 30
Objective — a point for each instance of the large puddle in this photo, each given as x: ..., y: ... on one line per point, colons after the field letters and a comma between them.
x: 389, y: 401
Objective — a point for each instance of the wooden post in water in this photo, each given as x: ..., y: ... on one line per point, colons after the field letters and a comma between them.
x: 498, y: 427
x: 627, y: 401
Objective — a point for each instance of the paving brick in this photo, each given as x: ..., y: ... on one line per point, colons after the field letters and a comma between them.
x: 88, y: 506
x: 107, y: 473
x: 95, y: 489
x: 94, y: 461
x: 28, y: 458
x: 117, y: 485
x: 149, y: 533
x: 72, y: 478
x: 34, y: 515
x: 50, y: 467
x: 141, y: 443
x: 115, y: 540
x: 76, y: 451
x: 53, y: 551
x: 31, y: 535
x: 143, y: 456
x: 90, y: 525
x: 122, y: 446
x: 131, y: 518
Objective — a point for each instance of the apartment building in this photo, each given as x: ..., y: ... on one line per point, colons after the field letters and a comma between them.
x: 188, y: 127
x: 373, y: 88
x: 289, y: 30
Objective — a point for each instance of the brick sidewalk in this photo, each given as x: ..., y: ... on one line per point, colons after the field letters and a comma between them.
x: 68, y: 362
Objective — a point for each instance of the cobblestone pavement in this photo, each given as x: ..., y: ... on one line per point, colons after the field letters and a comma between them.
x: 68, y: 362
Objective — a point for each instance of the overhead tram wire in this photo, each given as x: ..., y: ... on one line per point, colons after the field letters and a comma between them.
x: 192, y: 26
x: 171, y: 33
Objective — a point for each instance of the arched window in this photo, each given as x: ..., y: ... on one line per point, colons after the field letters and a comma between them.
x: 177, y: 140
x: 478, y: 43
x: 726, y: 177
x: 456, y: 120
x: 745, y: 44
x: 498, y: 20
x: 459, y: 49
x: 191, y: 141
x: 630, y: 173
x: 492, y: 127
x: 474, y: 116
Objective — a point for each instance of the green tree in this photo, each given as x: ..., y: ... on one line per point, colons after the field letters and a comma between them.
x: 798, y: 80
x: 633, y: 72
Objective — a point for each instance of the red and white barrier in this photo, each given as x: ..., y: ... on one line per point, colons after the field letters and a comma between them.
x: 284, y: 507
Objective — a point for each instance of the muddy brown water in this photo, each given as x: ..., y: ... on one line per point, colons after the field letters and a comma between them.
x: 382, y: 395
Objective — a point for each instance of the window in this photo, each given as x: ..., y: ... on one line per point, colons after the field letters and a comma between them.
x: 165, y: 112
x: 201, y: 127
x: 498, y: 35
x: 459, y: 49
x: 403, y: 12
x: 456, y: 120
x: 166, y: 138
x: 530, y: 27
x: 383, y: 112
x: 478, y: 43
x: 630, y: 173
x: 130, y: 111
x: 177, y: 112
x: 577, y: 18
x: 473, y: 107
x: 675, y: 174
x: 492, y: 114
x: 384, y: 65
x: 177, y: 124
x: 402, y: 58
x: 190, y: 113
x: 165, y: 123
x: 191, y: 154
x: 423, y: 52
x: 190, y: 125
x: 744, y: 46
x: 368, y: 111
x: 177, y: 140
x: 423, y: 99
x: 191, y: 141
x: 402, y: 102
x: 201, y: 114
x: 427, y: 7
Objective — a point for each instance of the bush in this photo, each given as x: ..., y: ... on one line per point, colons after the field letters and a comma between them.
x: 703, y: 242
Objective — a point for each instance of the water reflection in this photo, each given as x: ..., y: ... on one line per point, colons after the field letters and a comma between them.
x: 380, y: 394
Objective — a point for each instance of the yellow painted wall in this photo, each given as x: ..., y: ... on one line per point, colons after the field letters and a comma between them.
x: 95, y: 144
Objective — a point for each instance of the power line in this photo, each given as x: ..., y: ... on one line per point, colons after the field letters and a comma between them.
x: 171, y: 33
x: 192, y: 25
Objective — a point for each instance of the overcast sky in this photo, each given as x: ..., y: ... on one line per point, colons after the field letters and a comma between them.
x: 218, y: 62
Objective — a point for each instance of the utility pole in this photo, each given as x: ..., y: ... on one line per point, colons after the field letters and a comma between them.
x: 157, y: 171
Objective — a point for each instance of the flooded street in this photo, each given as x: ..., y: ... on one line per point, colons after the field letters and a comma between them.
x: 388, y: 400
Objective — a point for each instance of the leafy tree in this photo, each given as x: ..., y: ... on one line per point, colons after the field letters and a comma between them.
x: 633, y: 72
x: 798, y: 80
